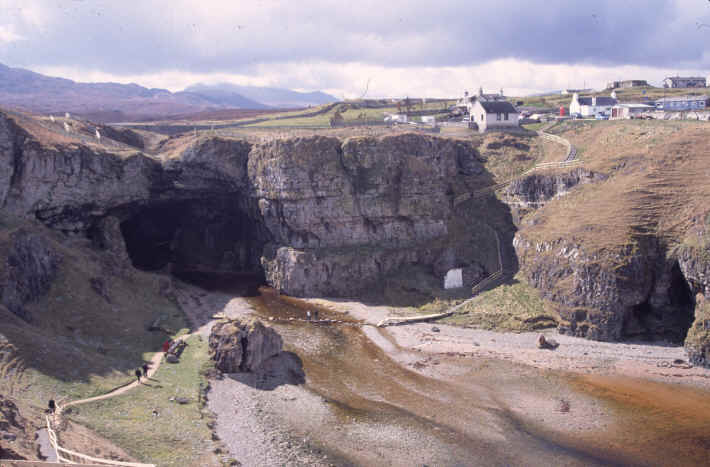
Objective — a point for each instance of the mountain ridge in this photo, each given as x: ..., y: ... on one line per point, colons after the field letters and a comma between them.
x: 109, y: 102
x: 270, y: 96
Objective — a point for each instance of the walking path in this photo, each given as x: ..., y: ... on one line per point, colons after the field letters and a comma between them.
x: 152, y: 369
x: 61, y: 453
x: 570, y: 160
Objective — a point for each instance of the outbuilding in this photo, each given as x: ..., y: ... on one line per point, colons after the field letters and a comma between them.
x: 630, y: 111
x: 682, y: 103
x: 685, y: 82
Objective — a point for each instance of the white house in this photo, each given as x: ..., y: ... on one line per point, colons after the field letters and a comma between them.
x: 396, y: 118
x: 494, y: 114
x: 591, y: 106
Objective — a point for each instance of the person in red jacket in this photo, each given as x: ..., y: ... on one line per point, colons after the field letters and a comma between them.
x: 166, y: 345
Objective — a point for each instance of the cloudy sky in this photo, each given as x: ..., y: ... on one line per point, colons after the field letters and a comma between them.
x: 401, y: 47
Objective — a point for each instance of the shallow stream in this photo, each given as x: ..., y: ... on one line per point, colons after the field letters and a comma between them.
x: 382, y: 410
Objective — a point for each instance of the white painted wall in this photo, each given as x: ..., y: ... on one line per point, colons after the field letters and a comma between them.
x: 485, y: 120
x: 453, y: 279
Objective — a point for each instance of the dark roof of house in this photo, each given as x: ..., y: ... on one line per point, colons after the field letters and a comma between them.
x: 601, y: 101
x: 498, y: 107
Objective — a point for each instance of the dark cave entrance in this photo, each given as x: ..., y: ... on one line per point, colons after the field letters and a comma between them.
x: 215, y: 243
x: 663, y: 316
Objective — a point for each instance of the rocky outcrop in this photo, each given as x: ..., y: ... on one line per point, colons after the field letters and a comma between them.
x: 694, y: 262
x: 346, y: 214
x: 29, y: 270
x: 316, y: 215
x: 697, y: 343
x: 16, y: 432
x: 238, y: 346
x: 536, y: 189
x: 9, y: 136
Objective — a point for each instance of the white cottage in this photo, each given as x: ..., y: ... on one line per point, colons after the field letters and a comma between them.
x: 494, y: 114
x: 591, y: 106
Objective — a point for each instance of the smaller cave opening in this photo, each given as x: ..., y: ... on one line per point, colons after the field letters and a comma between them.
x: 667, y: 317
x: 213, y: 243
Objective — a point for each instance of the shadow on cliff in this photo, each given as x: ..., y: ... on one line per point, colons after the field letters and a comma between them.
x: 480, y: 239
x: 284, y: 368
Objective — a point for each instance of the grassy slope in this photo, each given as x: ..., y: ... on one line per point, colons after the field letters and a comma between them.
x: 349, y: 113
x: 515, y: 307
x: 79, y: 344
x: 179, y: 434
x: 658, y: 183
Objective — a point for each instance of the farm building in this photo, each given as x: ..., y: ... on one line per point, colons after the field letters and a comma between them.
x: 628, y: 83
x: 628, y: 111
x: 591, y: 106
x: 684, y: 82
x: 682, y: 103
x: 494, y: 114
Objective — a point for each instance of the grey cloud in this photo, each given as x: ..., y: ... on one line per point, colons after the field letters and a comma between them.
x: 149, y: 36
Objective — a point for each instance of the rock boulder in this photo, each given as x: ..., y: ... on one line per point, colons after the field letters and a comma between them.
x: 238, y: 346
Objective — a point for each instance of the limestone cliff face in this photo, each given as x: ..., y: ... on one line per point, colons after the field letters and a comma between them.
x: 30, y: 268
x: 694, y: 262
x: 318, y: 215
x: 343, y: 214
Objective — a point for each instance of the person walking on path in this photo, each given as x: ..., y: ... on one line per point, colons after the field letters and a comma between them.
x: 138, y: 374
x: 308, y: 315
x: 145, y: 370
x: 52, y: 406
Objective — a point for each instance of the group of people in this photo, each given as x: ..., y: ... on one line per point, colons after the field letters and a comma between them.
x: 142, y: 372
x: 315, y: 315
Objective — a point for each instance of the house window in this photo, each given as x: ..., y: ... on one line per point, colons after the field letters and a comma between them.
x: 498, y: 117
x: 506, y: 116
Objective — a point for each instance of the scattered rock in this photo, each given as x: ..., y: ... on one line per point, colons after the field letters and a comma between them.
x: 170, y: 358
x: 434, y: 329
x: 563, y: 406
x: 549, y: 344
x: 238, y: 346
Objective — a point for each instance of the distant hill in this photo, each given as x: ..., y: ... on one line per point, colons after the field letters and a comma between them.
x: 272, y: 97
x: 107, y: 102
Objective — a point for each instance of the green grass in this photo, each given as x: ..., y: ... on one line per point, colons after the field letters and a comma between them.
x: 350, y: 111
x: 509, y: 307
x: 179, y: 435
x: 79, y: 343
x: 534, y: 126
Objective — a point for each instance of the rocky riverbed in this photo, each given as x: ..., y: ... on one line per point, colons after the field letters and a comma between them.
x: 412, y: 395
